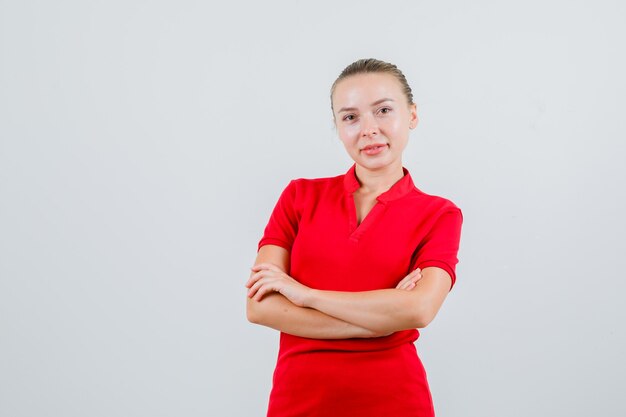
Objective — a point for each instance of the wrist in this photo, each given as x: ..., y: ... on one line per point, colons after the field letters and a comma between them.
x: 309, y: 300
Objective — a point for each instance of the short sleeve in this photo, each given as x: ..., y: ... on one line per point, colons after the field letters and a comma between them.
x: 441, y: 244
x: 282, y: 228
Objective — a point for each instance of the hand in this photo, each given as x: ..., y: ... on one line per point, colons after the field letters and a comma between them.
x: 267, y: 277
x: 408, y: 282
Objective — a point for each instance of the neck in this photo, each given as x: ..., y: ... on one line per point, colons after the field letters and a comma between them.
x: 380, y: 180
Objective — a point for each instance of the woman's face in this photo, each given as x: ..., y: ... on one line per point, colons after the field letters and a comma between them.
x: 373, y: 119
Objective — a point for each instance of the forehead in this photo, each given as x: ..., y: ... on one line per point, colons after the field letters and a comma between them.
x: 363, y: 89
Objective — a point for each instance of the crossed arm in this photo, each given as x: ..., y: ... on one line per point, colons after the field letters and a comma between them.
x: 278, y: 301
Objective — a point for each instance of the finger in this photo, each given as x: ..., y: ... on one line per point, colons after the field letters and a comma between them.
x: 406, y: 281
x: 410, y: 277
x: 265, y: 265
x: 412, y: 281
x: 255, y: 277
x: 402, y: 282
x: 258, y: 284
x: 251, y: 280
x: 416, y: 274
x: 264, y: 289
x: 265, y: 278
x: 409, y: 284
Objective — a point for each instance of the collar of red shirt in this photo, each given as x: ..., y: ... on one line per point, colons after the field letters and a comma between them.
x: 401, y: 188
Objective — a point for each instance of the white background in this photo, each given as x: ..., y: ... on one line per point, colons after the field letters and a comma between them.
x: 143, y: 145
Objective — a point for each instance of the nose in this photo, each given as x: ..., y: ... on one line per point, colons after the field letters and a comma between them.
x: 369, y: 127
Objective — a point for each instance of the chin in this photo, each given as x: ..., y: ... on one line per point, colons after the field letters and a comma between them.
x: 373, y: 165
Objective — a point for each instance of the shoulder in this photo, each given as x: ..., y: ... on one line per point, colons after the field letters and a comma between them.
x: 306, y: 186
x: 433, y: 204
x: 312, y: 182
x: 301, y: 193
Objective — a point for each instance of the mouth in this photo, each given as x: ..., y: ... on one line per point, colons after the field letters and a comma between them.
x: 374, y: 149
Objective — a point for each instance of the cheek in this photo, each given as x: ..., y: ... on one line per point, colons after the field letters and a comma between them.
x: 400, y: 129
x: 398, y: 125
x: 347, y: 134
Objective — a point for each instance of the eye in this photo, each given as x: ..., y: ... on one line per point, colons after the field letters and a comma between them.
x: 385, y: 110
x: 349, y: 117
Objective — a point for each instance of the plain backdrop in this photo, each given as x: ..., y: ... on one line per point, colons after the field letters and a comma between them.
x: 143, y: 145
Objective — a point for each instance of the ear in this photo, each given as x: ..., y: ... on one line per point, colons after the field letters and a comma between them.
x: 413, y: 119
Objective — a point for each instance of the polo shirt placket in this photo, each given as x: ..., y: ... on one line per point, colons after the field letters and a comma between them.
x: 398, y: 190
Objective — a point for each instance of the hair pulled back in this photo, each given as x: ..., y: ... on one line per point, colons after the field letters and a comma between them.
x: 371, y: 65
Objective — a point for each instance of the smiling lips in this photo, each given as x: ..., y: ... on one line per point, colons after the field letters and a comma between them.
x: 374, y: 149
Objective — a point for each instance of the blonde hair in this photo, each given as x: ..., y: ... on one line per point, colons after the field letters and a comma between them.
x: 371, y: 65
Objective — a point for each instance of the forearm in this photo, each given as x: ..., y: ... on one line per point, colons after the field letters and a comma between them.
x: 388, y: 310
x: 277, y: 312
x: 383, y: 311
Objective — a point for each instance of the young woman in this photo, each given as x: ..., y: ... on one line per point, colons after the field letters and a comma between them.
x: 349, y: 267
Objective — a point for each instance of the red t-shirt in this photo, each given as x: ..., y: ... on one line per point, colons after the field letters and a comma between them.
x: 315, y: 220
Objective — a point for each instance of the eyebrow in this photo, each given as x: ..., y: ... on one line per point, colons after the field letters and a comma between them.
x: 373, y: 104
